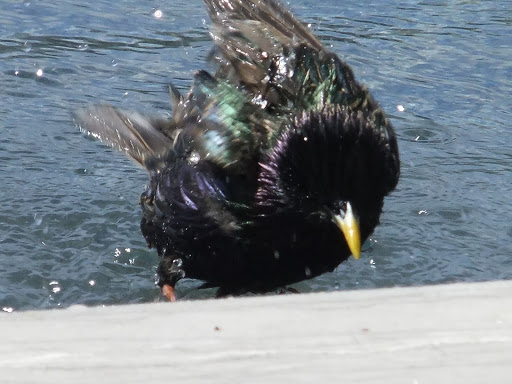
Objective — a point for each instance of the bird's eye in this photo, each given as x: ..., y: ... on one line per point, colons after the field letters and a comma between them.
x: 318, y: 216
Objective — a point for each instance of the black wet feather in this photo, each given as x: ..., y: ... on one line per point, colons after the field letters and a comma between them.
x: 257, y: 158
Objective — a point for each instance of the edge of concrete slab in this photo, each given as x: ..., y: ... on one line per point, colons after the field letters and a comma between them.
x: 446, y: 333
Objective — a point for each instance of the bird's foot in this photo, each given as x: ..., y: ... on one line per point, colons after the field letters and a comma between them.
x: 168, y: 291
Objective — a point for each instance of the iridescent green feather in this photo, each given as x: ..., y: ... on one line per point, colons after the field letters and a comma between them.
x: 262, y: 49
x: 226, y: 127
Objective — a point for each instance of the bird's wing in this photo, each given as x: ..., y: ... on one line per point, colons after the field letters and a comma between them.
x: 249, y: 34
x: 221, y: 125
x: 215, y: 122
x: 138, y: 136
x: 269, y: 15
x: 261, y: 47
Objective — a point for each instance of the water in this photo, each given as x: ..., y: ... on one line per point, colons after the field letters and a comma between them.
x: 69, y: 222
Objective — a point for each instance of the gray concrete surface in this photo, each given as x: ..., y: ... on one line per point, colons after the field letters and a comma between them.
x: 458, y: 333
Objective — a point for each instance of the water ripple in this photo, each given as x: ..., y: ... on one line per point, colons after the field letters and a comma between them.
x: 442, y: 71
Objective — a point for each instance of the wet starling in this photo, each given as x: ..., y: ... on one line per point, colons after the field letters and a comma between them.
x: 271, y: 171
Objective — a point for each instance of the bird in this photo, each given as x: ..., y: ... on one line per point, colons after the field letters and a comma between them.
x: 272, y: 168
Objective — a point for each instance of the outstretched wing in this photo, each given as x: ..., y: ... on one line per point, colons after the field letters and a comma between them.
x: 262, y: 48
x: 270, y: 67
x: 214, y: 122
x: 138, y: 136
x: 249, y: 35
x: 272, y: 18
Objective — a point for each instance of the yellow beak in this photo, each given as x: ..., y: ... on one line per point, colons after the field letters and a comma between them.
x: 349, y: 225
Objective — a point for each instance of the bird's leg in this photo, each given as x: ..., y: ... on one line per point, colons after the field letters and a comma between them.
x: 168, y: 273
x: 168, y: 291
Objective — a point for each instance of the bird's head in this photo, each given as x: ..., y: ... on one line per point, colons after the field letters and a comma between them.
x: 333, y: 167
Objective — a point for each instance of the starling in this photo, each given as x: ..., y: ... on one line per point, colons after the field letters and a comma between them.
x: 271, y: 171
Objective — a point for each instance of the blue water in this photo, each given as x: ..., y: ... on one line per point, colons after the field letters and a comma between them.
x: 69, y: 222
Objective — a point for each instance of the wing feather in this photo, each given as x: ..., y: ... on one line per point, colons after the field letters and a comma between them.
x: 138, y: 136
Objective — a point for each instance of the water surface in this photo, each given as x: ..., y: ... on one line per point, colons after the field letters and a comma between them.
x: 69, y: 224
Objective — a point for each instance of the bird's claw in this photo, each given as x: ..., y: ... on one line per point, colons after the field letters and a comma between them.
x: 168, y: 291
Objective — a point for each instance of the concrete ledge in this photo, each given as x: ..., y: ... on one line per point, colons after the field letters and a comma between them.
x: 458, y: 333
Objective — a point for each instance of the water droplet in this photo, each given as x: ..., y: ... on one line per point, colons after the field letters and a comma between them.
x: 131, y: 261
x: 158, y: 14
x: 307, y: 271
x: 92, y: 283
x: 83, y: 47
x: 117, y: 252
x: 194, y: 158
x: 276, y: 254
x: 7, y: 309
x: 259, y: 100
x: 177, y: 262
x: 422, y: 212
x: 27, y: 47
x: 55, y: 286
x: 39, y: 72
x: 127, y: 250
x: 400, y: 108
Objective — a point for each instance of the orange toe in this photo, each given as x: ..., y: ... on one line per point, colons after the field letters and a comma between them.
x: 168, y: 292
